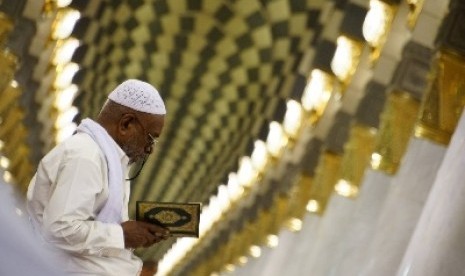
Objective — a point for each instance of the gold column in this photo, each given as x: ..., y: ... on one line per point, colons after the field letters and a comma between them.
x: 264, y: 222
x: 20, y: 167
x: 8, y: 67
x: 9, y: 96
x: 396, y: 126
x: 279, y: 212
x: 50, y: 8
x: 444, y: 101
x: 14, y: 135
x: 6, y: 26
x: 300, y: 195
x: 15, y: 139
x: 357, y: 154
x: 326, y: 176
x: 415, y: 7
x: 229, y: 250
x: 11, y: 119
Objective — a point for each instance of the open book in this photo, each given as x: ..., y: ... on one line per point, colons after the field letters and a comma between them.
x: 182, y: 219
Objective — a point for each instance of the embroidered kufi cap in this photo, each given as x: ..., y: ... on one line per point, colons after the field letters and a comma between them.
x: 140, y: 96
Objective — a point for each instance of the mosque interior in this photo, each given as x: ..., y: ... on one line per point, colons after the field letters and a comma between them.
x: 297, y: 124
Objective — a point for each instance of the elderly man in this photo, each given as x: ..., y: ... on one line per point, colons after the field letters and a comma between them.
x: 78, y: 198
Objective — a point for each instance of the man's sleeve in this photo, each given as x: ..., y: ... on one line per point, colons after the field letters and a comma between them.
x: 69, y: 216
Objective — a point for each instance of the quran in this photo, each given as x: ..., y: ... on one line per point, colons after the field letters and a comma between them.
x: 182, y: 219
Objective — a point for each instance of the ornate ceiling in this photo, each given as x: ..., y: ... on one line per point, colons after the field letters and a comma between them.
x: 221, y: 67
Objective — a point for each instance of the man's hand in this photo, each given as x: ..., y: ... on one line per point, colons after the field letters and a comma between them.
x: 142, y: 234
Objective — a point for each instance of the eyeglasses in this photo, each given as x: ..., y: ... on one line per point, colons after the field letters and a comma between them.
x: 152, y: 141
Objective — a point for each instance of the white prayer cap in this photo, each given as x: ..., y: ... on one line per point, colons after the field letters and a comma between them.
x: 140, y: 96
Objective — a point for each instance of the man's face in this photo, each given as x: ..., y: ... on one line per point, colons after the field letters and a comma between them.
x: 140, y: 142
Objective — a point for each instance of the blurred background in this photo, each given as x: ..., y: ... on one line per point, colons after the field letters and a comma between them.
x: 313, y: 132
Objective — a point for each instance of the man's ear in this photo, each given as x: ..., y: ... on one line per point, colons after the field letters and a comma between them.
x: 125, y: 122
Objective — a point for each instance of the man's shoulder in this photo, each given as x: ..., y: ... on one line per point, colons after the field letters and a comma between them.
x: 80, y: 139
x: 80, y: 145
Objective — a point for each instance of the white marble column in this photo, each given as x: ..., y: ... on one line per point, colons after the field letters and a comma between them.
x: 304, y: 242
x: 328, y: 237
x: 403, y: 206
x: 288, y: 258
x: 352, y: 253
x: 253, y: 264
x: 438, y: 243
x: 278, y: 259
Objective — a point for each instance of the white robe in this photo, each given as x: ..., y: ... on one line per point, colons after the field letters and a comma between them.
x: 63, y: 200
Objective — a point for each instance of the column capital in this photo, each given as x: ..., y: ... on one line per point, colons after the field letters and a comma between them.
x: 451, y: 35
x: 338, y: 133
x: 411, y: 74
x: 371, y: 105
